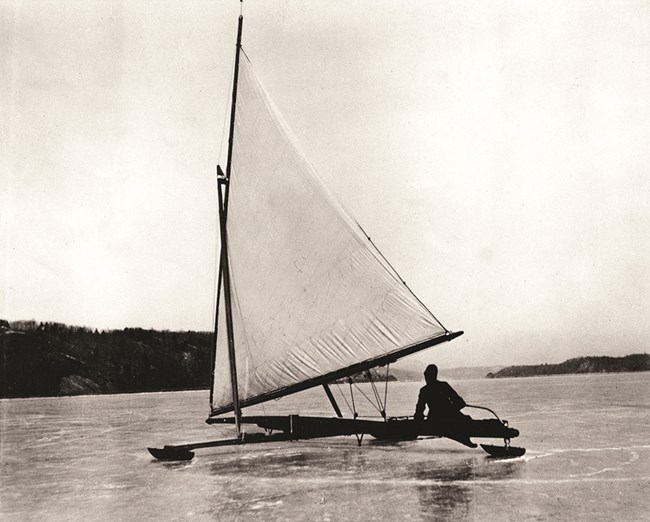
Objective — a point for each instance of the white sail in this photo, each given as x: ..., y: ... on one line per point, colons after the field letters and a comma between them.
x: 310, y: 294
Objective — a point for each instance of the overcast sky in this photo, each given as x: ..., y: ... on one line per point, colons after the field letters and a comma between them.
x: 497, y: 153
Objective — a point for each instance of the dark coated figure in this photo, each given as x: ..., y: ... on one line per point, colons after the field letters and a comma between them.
x: 444, y: 404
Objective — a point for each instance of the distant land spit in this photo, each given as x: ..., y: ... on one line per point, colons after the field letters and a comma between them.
x: 639, y: 362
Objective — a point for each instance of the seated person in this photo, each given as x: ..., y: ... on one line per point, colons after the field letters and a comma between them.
x: 444, y: 406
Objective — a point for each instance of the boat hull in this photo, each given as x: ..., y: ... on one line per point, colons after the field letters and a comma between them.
x: 279, y: 428
x: 307, y: 427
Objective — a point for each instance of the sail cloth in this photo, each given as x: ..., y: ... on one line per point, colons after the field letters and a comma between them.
x: 311, y: 295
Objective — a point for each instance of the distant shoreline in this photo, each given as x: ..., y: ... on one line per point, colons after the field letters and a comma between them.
x: 57, y: 360
x: 639, y: 362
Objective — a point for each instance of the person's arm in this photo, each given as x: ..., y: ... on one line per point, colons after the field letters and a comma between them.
x: 455, y: 399
x: 419, y: 408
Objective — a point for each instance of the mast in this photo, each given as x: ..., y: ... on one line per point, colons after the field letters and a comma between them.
x: 224, y: 266
x: 234, y: 104
x: 225, y: 271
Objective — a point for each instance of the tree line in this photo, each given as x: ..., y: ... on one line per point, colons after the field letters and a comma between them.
x: 50, y: 359
x: 639, y: 362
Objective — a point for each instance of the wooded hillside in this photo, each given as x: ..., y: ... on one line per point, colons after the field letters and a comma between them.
x: 639, y: 362
x: 49, y: 359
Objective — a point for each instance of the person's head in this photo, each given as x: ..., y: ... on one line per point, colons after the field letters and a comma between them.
x: 431, y: 373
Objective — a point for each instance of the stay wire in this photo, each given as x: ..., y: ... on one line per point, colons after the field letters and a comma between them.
x: 380, y: 406
x: 354, y: 408
x: 364, y: 395
x: 338, y: 387
x: 399, y: 277
x: 386, y: 387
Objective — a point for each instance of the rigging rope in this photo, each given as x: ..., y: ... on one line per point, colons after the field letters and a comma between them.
x: 354, y: 408
x: 380, y: 406
x: 396, y: 274
x: 386, y: 388
x: 338, y: 387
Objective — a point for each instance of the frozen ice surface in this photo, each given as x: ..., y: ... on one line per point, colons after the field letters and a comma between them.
x: 85, y: 458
